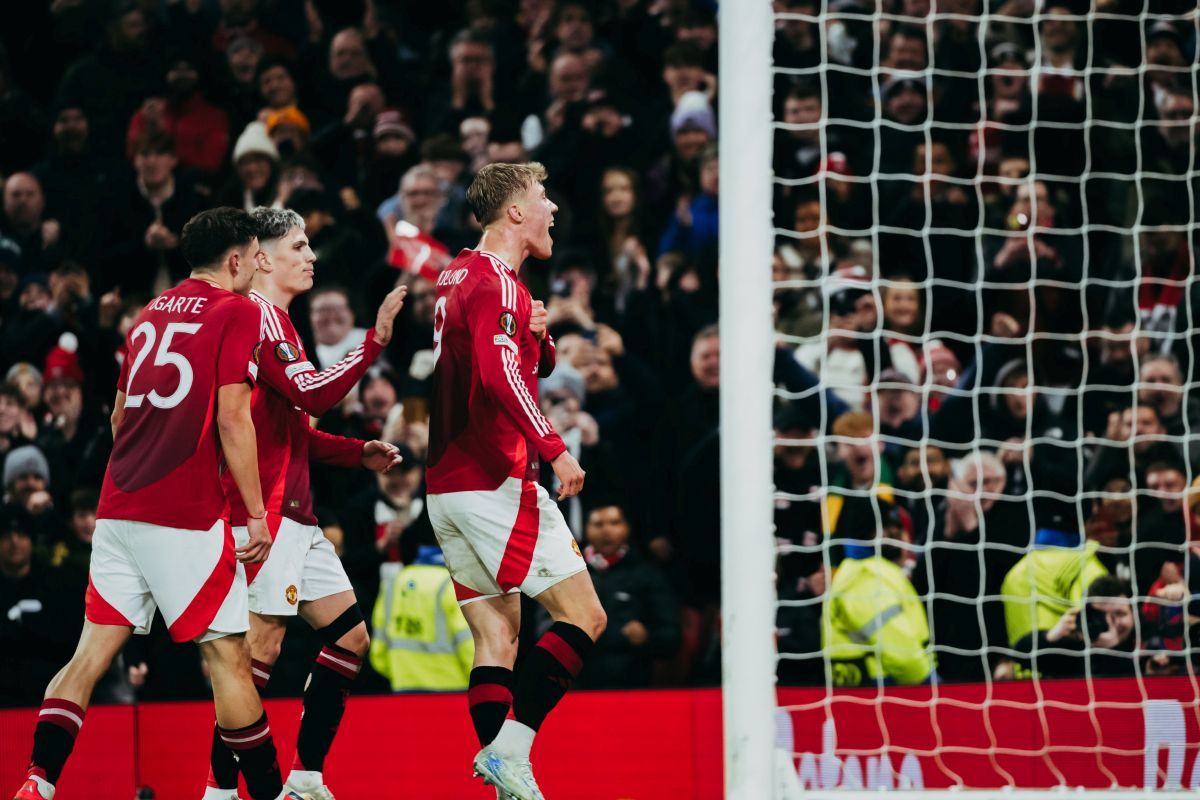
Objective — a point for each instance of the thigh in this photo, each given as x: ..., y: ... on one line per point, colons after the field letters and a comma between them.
x: 117, y: 593
x: 495, y: 624
x: 322, y: 574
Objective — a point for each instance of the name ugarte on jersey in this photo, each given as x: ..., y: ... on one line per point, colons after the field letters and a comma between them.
x: 178, y: 304
x: 452, y: 277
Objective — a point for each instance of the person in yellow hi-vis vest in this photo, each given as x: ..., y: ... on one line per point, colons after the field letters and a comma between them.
x: 1051, y: 580
x: 873, y: 624
x: 421, y: 641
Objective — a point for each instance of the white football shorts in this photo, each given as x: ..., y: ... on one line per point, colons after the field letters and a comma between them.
x: 507, y: 540
x: 191, y: 576
x: 301, y: 567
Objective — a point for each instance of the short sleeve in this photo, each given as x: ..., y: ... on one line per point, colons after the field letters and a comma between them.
x: 123, y: 375
x: 237, y: 355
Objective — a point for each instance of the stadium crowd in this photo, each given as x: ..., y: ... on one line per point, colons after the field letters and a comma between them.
x: 985, y: 292
x: 121, y: 119
x: 975, y: 324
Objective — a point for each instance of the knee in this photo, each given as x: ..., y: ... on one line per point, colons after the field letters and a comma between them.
x: 496, y: 645
x: 356, y: 640
x: 596, y: 622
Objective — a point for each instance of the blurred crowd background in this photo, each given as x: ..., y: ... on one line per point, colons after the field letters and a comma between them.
x: 987, y: 313
x: 120, y: 120
x: 985, y: 247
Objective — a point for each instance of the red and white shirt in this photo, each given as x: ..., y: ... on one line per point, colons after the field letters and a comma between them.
x: 485, y: 425
x: 166, y: 461
x: 289, y: 390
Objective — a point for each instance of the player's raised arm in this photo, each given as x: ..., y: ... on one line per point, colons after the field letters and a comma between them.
x: 495, y: 323
x: 317, y: 391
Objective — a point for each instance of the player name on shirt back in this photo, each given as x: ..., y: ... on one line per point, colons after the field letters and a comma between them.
x: 177, y: 305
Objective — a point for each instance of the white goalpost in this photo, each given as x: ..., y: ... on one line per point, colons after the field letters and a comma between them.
x: 1057, y: 306
x: 747, y: 547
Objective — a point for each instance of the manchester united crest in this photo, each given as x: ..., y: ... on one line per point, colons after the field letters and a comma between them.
x: 287, y: 352
x: 291, y: 595
x: 575, y: 547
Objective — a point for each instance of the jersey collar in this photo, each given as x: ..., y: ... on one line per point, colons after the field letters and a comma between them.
x: 498, y: 258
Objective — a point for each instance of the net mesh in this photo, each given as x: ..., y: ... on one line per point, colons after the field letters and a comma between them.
x: 985, y: 375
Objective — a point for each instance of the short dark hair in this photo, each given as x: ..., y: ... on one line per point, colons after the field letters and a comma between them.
x: 86, y: 498
x: 683, y: 54
x: 1108, y: 586
x: 210, y: 234
x: 804, y: 90
x: 153, y: 141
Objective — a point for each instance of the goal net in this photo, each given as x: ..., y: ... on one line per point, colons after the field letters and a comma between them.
x: 985, y: 407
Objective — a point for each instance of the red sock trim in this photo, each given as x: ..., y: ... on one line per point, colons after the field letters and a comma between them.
x: 36, y: 772
x: 489, y: 693
x: 563, y: 653
x: 260, y: 671
x: 62, y: 713
x: 297, y: 764
x: 345, y: 664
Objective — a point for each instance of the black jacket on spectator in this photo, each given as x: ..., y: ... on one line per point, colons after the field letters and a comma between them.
x: 631, y: 590
x: 41, y: 616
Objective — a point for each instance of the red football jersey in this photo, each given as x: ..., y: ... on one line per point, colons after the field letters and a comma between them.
x: 166, y: 460
x: 289, y: 390
x: 485, y: 425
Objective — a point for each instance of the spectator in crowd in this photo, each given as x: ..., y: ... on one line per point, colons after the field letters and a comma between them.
x: 641, y: 606
x: 24, y: 222
x: 41, y: 614
x: 256, y: 163
x: 151, y: 217
x: 1100, y: 636
x: 333, y: 326
x: 859, y: 466
x: 1052, y: 578
x: 873, y: 625
x: 199, y: 130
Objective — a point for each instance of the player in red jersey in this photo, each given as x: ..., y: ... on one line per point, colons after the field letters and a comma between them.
x: 162, y: 534
x: 500, y: 532
x: 303, y: 573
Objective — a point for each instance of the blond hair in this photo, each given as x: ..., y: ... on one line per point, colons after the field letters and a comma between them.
x: 496, y: 184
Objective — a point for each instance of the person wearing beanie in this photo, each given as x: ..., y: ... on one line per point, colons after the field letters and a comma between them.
x: 256, y: 163
x: 26, y: 472
x: 289, y: 129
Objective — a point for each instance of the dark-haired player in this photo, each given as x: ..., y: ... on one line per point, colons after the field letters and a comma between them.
x: 162, y: 533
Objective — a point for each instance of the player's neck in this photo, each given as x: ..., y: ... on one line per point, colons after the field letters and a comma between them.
x: 221, y: 279
x: 504, y: 246
x: 277, y: 296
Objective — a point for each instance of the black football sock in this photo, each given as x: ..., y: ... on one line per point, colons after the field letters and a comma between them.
x: 255, y: 750
x: 548, y: 672
x: 58, y: 724
x: 324, y: 704
x: 490, y: 697
x: 222, y: 766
